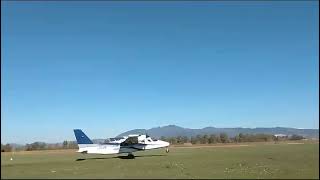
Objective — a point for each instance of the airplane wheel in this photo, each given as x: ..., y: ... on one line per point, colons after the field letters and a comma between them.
x: 131, y: 156
x: 167, y: 150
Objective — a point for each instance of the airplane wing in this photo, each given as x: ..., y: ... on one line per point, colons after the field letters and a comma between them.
x: 117, y: 139
x: 130, y: 141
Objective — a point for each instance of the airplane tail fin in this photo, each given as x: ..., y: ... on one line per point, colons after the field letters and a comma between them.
x: 81, y: 137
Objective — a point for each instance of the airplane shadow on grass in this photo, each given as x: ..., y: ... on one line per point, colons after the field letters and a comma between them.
x: 118, y: 157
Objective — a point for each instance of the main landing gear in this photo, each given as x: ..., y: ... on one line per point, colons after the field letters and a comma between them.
x: 130, y: 156
x: 167, y: 150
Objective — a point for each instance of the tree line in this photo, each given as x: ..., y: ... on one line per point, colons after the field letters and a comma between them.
x: 224, y: 138
x: 198, y: 139
x: 40, y: 146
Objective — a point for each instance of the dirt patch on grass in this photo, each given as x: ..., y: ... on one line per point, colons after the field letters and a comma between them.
x: 212, y: 146
x: 295, y: 143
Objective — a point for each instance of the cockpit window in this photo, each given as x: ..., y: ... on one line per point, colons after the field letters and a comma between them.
x: 154, y: 139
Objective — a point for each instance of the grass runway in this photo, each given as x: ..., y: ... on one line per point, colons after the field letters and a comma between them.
x: 253, y: 160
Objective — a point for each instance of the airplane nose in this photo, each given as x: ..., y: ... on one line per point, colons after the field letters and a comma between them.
x: 167, y: 144
x: 164, y: 144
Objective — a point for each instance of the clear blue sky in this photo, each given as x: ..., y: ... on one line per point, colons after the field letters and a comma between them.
x: 109, y: 67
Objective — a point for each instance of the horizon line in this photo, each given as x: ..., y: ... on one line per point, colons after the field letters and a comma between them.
x: 166, y: 126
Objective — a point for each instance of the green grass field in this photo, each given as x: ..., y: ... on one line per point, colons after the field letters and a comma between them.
x: 252, y: 161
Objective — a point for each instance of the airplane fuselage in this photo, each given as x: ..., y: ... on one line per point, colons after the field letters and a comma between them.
x: 125, y: 145
x: 117, y: 149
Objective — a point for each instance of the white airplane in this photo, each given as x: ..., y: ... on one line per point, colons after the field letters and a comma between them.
x: 126, y: 144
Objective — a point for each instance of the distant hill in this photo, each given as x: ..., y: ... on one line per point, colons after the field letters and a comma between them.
x: 172, y: 130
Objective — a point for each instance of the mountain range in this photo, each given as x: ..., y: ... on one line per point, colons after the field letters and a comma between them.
x: 173, y: 131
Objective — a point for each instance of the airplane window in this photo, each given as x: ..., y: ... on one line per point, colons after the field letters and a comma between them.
x: 149, y: 140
